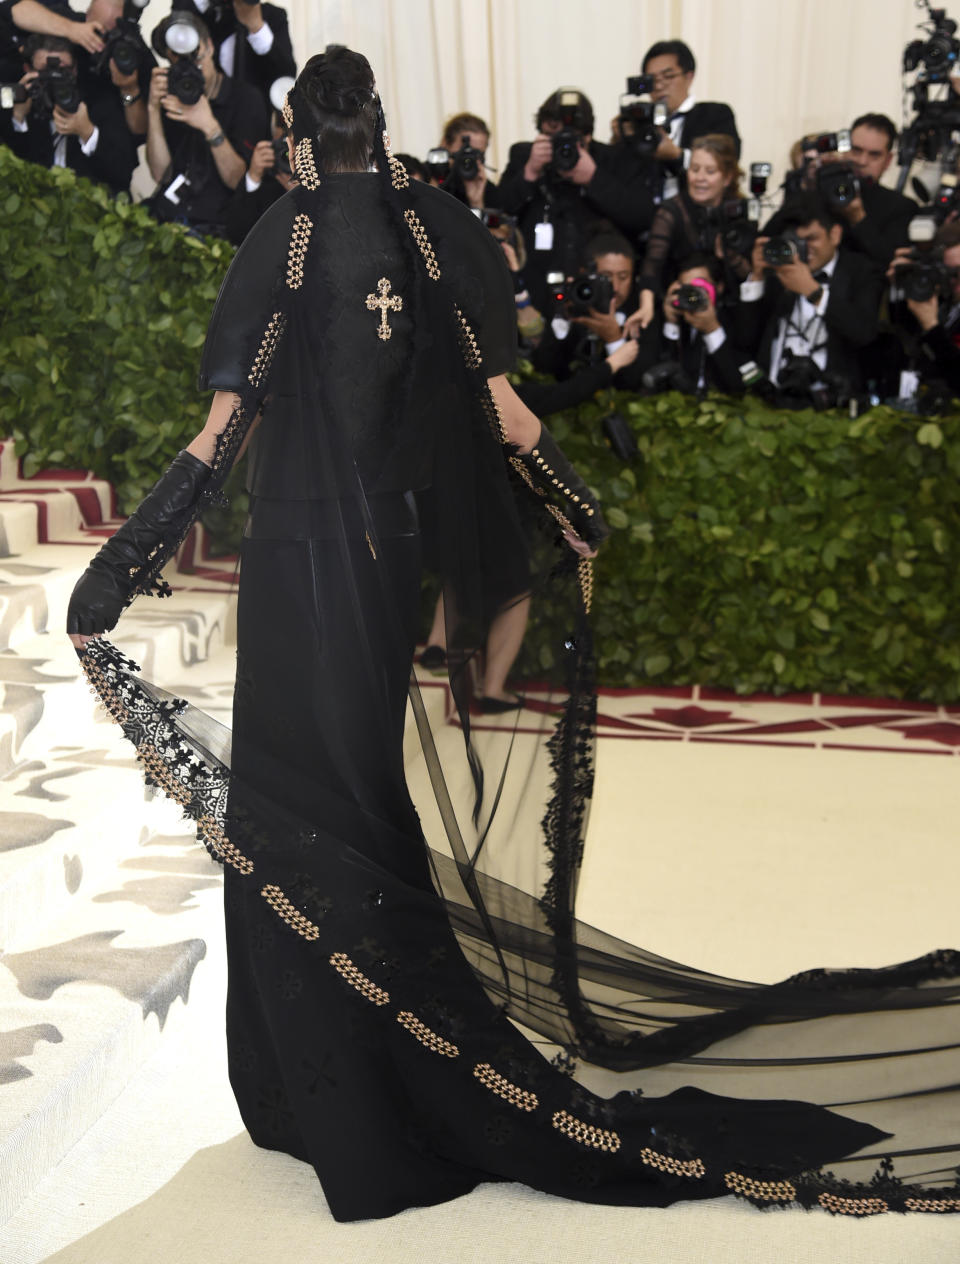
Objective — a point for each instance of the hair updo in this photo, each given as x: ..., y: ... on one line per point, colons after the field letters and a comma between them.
x: 334, y: 103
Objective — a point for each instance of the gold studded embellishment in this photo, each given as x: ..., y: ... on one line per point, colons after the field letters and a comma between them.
x: 289, y: 912
x: 468, y: 342
x: 399, y: 176
x: 357, y: 979
x: 583, y: 505
x: 932, y: 1204
x: 760, y: 1191
x: 287, y: 111
x: 494, y: 416
x: 852, y: 1206
x: 585, y: 579
x: 426, y: 1035
x: 305, y: 166
x: 586, y: 1134
x: 268, y: 346
x: 423, y: 244
x: 383, y: 301
x: 512, y: 1093
x: 675, y: 1167
x: 299, y: 242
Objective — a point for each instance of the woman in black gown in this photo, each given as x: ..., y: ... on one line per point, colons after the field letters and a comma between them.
x: 381, y: 953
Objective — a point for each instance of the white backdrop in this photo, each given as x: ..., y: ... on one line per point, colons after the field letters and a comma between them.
x: 787, y: 67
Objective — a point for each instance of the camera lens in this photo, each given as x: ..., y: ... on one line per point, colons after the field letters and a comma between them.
x: 778, y: 251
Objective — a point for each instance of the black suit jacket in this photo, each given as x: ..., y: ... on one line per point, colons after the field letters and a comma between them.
x: 707, y: 118
x: 618, y: 194
x: 720, y: 369
x: 850, y: 320
x: 112, y: 162
x: 885, y: 225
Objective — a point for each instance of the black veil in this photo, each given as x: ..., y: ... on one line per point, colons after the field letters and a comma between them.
x: 358, y: 436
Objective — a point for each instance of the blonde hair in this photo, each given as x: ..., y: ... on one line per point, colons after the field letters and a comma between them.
x: 724, y: 151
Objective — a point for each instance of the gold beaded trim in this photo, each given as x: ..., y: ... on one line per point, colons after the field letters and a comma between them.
x: 585, y: 579
x: 549, y: 472
x: 426, y: 1036
x: 356, y: 978
x: 494, y: 416
x: 586, y: 1134
x: 468, y: 342
x: 767, y: 1191
x: 676, y: 1167
x: 399, y: 177
x: 268, y: 346
x: 852, y: 1206
x: 289, y: 912
x: 305, y: 166
x: 512, y: 1093
x: 287, y: 111
x: 299, y: 242
x: 932, y: 1204
x: 423, y: 244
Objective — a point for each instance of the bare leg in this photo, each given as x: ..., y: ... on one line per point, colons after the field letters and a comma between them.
x: 438, y: 632
x: 503, y: 645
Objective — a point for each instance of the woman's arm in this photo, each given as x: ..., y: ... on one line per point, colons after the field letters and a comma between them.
x: 521, y: 426
x: 204, y: 445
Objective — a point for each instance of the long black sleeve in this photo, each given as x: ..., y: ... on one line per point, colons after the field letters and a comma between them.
x: 853, y: 306
x: 515, y: 191
x: 544, y: 398
x: 884, y: 227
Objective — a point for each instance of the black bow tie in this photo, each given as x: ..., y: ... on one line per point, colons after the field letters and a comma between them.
x: 821, y: 277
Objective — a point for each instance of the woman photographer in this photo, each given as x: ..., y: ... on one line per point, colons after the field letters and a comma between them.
x: 688, y: 223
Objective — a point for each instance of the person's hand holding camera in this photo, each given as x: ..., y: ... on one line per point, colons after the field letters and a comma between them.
x: 262, y: 159
x: 796, y: 277
x: 86, y: 35
x: 158, y: 90
x: 541, y: 155
x: 76, y: 124
x: 125, y: 82
x: 22, y: 108
x: 705, y: 321
x: 758, y: 265
x: 604, y: 324
x: 585, y: 168
x: 667, y: 151
x: 925, y: 311
x: 249, y: 15
x: 474, y: 188
x: 199, y: 115
x: 670, y: 313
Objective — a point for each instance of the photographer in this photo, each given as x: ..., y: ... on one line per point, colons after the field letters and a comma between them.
x: 202, y: 127
x: 697, y: 351
x: 267, y: 178
x: 692, y: 221
x: 876, y: 219
x: 671, y: 65
x: 466, y: 139
x: 68, y: 122
x: 565, y: 185
x: 937, y: 349
x: 809, y: 306
x: 251, y: 41
x: 109, y: 47
x: 584, y: 347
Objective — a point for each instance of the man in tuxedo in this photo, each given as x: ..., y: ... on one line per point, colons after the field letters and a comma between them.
x: 936, y: 353
x: 252, y: 41
x: 805, y: 322
x: 697, y: 343
x: 92, y: 140
x: 672, y: 67
x: 558, y: 208
x: 877, y: 221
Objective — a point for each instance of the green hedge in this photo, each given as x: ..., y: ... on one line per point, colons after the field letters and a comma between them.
x: 774, y: 551
x: 752, y: 549
x: 103, y: 317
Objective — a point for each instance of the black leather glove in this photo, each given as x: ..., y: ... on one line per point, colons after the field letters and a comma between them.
x: 551, y: 471
x: 109, y: 583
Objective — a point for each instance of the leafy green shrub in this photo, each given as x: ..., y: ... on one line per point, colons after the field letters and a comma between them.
x: 103, y: 317
x: 763, y: 550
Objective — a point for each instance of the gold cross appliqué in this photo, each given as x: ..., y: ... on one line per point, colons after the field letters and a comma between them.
x: 386, y: 302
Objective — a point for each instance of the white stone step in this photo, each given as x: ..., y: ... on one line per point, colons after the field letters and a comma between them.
x: 86, y: 1000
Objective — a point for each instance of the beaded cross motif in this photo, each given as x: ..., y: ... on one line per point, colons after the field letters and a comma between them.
x: 386, y: 302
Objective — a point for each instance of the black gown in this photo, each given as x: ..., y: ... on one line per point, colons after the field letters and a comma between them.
x: 384, y: 955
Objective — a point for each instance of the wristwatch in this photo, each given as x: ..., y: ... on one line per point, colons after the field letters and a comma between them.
x: 128, y: 98
x: 214, y: 141
x: 815, y: 296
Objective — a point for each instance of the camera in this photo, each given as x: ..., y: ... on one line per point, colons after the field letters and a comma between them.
x: 760, y: 173
x: 696, y: 296
x: 574, y: 124
x: 467, y: 161
x: 281, y: 156
x: 668, y: 376
x: 785, y: 248
x: 559, y: 293
x: 123, y: 46
x: 566, y: 149
x: 826, y: 143
x: 838, y: 184
x: 924, y: 275
x: 54, y: 86
x: 735, y: 225
x: 801, y: 377
x: 938, y: 53
x: 437, y: 163
x: 185, y: 81
x: 639, y: 122
x: 935, y: 60
x: 591, y: 294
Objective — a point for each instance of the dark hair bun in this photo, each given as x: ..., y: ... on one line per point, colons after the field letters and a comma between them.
x: 338, y: 81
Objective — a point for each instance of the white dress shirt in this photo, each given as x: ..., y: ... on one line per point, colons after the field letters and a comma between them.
x: 804, y: 332
x: 671, y: 183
